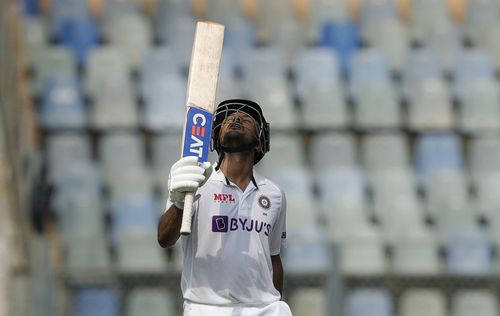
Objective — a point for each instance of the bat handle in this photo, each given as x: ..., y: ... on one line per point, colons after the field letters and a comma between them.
x: 187, y: 214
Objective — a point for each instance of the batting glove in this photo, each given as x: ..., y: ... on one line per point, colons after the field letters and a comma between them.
x: 187, y: 175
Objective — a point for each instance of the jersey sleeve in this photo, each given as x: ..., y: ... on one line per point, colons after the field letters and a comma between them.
x: 278, y: 234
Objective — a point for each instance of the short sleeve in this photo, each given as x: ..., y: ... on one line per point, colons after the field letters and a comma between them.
x: 278, y: 234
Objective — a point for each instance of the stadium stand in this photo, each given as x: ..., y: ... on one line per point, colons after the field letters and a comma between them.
x: 385, y: 118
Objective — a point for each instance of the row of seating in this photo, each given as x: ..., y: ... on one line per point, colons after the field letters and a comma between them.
x: 343, y: 206
x: 139, y: 301
x: 324, y: 103
x: 412, y: 302
x: 381, y: 30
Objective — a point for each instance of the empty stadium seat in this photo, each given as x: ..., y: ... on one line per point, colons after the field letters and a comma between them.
x: 313, y: 65
x: 385, y: 151
x: 150, y: 301
x: 444, y: 39
x: 297, y: 183
x: 446, y: 190
x: 479, y: 111
x: 81, y: 35
x: 330, y: 150
x: 158, y: 62
x: 429, y: 302
x: 307, y: 252
x: 369, y: 301
x: 322, y: 12
x: 131, y: 34
x: 96, y: 302
x: 391, y: 37
x: 482, y: 156
x: 119, y: 151
x: 469, y: 302
x: 324, y: 105
x: 87, y: 256
x: 376, y: 11
x: 416, y: 254
x: 62, y: 104
x: 161, y: 104
x: 431, y: 106
x: 471, y: 65
x: 138, y: 252
x: 425, y: 14
x: 479, y: 16
x: 107, y: 72
x: 165, y: 152
x: 344, y: 38
x: 367, y: 66
x: 309, y: 301
x: 469, y: 252
x: 63, y: 150
x: 342, y: 184
x: 377, y: 107
x: 436, y: 152
x: 52, y: 61
x: 63, y: 11
x: 287, y: 148
x: 421, y: 65
x: 362, y: 253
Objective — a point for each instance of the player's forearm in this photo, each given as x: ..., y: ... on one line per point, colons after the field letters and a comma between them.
x: 277, y: 273
x: 169, y: 227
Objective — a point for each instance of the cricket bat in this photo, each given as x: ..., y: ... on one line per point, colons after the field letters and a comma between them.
x: 201, y: 89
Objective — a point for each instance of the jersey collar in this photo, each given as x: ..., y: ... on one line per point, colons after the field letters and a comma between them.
x: 257, y: 178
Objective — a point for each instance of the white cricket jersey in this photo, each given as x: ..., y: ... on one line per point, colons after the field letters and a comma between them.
x: 227, y: 257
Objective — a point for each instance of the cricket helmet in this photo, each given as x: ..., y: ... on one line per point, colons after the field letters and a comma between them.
x: 226, y: 108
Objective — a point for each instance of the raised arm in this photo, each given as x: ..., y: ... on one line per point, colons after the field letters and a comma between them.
x: 186, y: 175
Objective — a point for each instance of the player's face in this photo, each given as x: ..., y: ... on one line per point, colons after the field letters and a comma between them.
x: 237, y: 129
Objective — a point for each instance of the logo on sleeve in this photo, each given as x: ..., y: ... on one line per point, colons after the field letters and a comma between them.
x: 264, y: 202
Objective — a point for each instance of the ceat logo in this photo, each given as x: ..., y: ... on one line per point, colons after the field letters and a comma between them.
x: 197, y: 133
x: 224, y: 198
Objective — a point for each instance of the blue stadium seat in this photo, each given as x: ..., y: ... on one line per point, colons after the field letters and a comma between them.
x: 436, y: 152
x: 96, y: 302
x: 368, y: 66
x: 81, y: 35
x: 369, y: 301
x: 343, y: 37
x: 62, y: 104
x: 135, y: 212
x: 30, y: 7
x: 471, y: 65
x: 307, y: 252
x: 161, y: 103
x: 315, y: 64
x: 64, y: 11
x: 469, y: 253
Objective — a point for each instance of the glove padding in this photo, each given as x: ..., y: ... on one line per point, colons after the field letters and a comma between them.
x: 187, y: 175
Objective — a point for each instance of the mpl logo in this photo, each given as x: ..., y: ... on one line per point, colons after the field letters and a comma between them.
x: 224, y: 198
x: 197, y: 133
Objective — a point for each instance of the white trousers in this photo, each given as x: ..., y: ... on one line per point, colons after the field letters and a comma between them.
x: 278, y: 308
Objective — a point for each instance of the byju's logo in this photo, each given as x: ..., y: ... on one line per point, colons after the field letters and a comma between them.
x: 220, y: 224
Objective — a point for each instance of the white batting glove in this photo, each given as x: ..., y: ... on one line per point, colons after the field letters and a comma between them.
x: 187, y: 175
